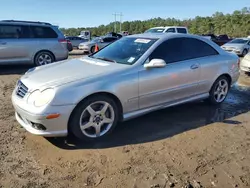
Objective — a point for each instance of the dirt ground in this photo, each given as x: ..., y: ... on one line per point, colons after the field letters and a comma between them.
x: 191, y: 145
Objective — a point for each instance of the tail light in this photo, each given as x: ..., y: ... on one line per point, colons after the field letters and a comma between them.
x: 63, y: 40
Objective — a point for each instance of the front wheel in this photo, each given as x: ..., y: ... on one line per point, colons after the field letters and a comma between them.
x: 94, y: 118
x: 219, y: 90
x: 244, y: 52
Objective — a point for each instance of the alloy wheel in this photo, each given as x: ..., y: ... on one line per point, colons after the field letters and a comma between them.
x: 221, y: 90
x: 44, y: 59
x: 97, y: 119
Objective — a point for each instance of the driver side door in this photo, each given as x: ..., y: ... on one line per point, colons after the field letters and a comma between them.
x: 176, y: 81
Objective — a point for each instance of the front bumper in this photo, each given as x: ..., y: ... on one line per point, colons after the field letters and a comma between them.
x: 245, y: 69
x: 53, y: 127
x: 84, y: 48
x: 238, y: 52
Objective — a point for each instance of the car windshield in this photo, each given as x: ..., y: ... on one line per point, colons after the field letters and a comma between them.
x: 155, y: 30
x: 239, y: 41
x: 95, y: 40
x: 126, y: 50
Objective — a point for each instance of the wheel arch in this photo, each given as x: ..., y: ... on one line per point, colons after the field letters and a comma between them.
x: 224, y: 74
x: 108, y: 94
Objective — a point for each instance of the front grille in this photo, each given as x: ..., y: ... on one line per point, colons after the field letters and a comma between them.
x: 21, y: 89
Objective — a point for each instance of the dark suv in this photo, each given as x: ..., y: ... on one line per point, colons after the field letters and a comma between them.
x: 25, y: 42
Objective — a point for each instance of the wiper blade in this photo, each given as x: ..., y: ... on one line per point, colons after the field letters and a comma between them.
x: 106, y: 59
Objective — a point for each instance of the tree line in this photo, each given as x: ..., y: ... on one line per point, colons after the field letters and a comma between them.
x: 236, y: 24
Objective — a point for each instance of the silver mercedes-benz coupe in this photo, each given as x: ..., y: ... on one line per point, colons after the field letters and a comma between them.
x: 133, y: 76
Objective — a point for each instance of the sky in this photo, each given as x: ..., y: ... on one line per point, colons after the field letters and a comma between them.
x: 90, y: 13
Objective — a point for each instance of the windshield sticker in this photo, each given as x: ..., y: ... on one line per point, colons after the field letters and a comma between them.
x: 145, y: 41
x: 94, y: 62
x: 131, y: 59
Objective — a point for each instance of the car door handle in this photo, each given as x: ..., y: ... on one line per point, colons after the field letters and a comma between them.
x: 194, y: 66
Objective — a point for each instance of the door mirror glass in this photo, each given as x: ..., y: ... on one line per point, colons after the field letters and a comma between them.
x: 155, y: 63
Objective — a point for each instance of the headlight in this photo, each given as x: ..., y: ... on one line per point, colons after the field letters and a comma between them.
x: 39, y: 99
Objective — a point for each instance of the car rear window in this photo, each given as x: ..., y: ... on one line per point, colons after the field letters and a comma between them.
x: 181, y: 30
x: 170, y: 30
x: 43, y: 32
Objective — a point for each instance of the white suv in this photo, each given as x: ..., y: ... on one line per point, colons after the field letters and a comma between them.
x: 168, y: 29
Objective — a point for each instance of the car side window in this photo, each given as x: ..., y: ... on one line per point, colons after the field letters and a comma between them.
x: 199, y: 48
x: 181, y: 30
x: 180, y: 49
x: 43, y: 32
x: 14, y: 32
x: 170, y: 30
x: 166, y: 51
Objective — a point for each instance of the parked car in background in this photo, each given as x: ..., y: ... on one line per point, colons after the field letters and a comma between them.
x: 76, y: 40
x: 240, y: 46
x: 69, y: 45
x: 113, y: 34
x: 168, y: 29
x: 89, y: 47
x: 210, y: 36
x: 134, y: 75
x: 245, y: 63
x: 124, y: 33
x: 222, y: 39
x: 25, y: 42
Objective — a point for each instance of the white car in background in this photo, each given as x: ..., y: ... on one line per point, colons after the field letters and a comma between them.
x: 240, y: 46
x: 245, y: 63
x: 168, y: 29
x: 89, y: 47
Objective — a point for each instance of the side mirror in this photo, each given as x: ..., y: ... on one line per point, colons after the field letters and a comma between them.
x: 155, y: 63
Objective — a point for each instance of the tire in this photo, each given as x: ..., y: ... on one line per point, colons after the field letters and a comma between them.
x: 217, y: 88
x: 244, y: 52
x: 88, y: 129
x: 92, y: 49
x: 43, y: 58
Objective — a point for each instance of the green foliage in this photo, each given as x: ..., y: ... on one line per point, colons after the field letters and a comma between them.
x: 234, y: 25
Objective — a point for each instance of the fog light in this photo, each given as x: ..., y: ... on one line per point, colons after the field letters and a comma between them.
x: 38, y: 126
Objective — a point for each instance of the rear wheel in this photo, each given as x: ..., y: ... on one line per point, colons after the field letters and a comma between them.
x: 92, y: 49
x: 94, y: 118
x: 219, y: 91
x: 43, y: 58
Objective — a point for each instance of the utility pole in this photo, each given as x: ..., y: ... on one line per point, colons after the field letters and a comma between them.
x: 121, y: 22
x: 116, y: 14
x: 115, y: 22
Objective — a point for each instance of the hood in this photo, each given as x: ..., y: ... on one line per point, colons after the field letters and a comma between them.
x: 63, y: 72
x: 234, y: 45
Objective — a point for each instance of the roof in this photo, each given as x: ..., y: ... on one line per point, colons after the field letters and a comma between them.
x: 159, y: 35
x: 168, y: 27
x: 21, y: 22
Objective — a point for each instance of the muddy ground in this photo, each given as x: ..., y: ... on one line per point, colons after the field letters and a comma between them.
x: 192, y: 145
